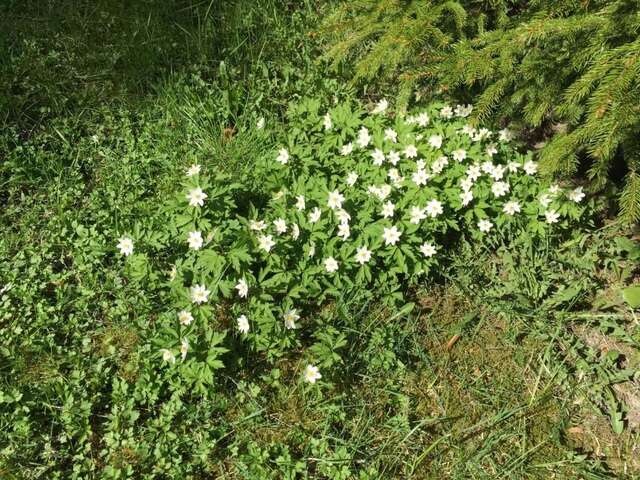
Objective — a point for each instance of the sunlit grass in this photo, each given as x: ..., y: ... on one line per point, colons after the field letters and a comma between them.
x: 104, y: 106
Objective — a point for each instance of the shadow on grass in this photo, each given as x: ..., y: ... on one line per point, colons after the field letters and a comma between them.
x: 61, y: 57
x: 72, y: 56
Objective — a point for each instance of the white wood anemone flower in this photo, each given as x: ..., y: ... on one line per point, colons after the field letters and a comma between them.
x: 311, y: 374
x: 125, y: 245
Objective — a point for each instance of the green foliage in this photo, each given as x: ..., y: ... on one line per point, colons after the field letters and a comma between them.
x: 95, y: 141
x: 353, y: 203
x: 55, y: 64
x: 396, y: 37
x: 572, y: 66
x: 546, y: 287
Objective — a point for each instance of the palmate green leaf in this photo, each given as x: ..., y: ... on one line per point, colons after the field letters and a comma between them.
x: 200, y: 374
x: 211, y: 263
x: 167, y: 334
x: 277, y: 282
x: 138, y: 267
x: 264, y: 316
x: 239, y: 255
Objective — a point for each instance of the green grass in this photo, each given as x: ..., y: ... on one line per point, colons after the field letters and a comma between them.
x: 105, y: 105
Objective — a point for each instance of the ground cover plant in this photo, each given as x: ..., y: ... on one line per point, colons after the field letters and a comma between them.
x: 507, y: 353
x: 357, y: 202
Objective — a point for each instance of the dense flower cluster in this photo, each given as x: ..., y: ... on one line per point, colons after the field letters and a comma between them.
x: 356, y: 200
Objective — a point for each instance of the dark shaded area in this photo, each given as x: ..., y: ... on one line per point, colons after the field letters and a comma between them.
x: 75, y: 55
x: 71, y: 70
x: 59, y: 56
